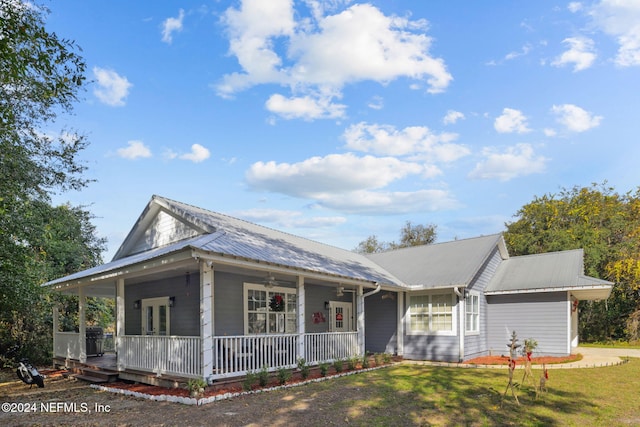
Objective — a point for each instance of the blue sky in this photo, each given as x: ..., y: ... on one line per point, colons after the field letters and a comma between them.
x: 338, y: 120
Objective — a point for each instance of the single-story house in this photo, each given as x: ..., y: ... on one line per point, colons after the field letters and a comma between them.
x: 204, y: 295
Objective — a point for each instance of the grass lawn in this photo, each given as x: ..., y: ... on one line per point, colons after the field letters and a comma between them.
x: 425, y: 395
x: 613, y: 344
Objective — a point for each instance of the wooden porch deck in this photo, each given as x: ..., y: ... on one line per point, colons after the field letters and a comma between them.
x: 103, y: 369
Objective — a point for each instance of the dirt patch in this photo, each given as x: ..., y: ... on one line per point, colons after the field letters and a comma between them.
x: 504, y: 360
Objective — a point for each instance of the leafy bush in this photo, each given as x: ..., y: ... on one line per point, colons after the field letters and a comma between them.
x: 352, y: 363
x: 303, y: 368
x: 263, y: 376
x: 324, y: 368
x: 284, y: 375
x: 249, y: 380
x: 338, y: 365
x: 365, y: 362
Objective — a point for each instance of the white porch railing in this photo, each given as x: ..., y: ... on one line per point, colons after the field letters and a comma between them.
x: 162, y: 355
x: 237, y: 355
x: 324, y: 347
x: 67, y: 345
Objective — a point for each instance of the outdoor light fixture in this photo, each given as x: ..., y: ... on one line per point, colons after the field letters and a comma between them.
x: 172, y: 301
x: 327, y: 305
x: 136, y: 304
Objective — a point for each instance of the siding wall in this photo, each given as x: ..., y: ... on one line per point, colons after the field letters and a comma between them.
x: 228, y: 303
x: 542, y: 316
x: 477, y: 345
x: 164, y: 229
x: 184, y: 318
x: 431, y: 347
x: 380, y: 324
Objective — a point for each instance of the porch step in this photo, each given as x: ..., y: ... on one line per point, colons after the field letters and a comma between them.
x: 94, y: 375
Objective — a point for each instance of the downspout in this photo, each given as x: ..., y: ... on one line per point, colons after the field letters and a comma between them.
x: 375, y: 291
x: 361, y: 315
x: 461, y: 321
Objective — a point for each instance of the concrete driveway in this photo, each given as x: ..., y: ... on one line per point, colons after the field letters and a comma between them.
x: 593, y: 357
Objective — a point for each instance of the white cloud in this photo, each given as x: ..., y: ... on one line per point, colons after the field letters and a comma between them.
x: 325, y: 52
x: 289, y: 219
x: 172, y: 25
x: 112, y: 88
x: 575, y: 6
x: 452, y: 117
x: 415, y: 141
x: 198, y: 154
x: 512, y: 163
x: 390, y: 202
x: 306, y: 107
x: 580, y: 53
x: 621, y: 19
x: 134, y: 150
x: 516, y: 54
x: 376, y: 103
x: 511, y: 121
x: 575, y: 118
x: 333, y: 174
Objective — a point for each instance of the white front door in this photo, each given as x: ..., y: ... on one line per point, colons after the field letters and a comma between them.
x: 155, y: 316
x: 340, y: 316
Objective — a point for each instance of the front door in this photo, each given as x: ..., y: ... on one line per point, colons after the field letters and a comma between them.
x: 340, y: 316
x: 155, y: 316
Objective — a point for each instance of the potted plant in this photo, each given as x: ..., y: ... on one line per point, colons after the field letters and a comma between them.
x: 196, y: 386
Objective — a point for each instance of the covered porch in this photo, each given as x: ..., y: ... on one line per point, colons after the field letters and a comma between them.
x: 223, y: 346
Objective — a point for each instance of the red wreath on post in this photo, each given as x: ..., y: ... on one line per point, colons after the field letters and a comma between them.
x: 574, y: 306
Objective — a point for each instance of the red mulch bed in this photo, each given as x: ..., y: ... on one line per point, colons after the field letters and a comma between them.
x: 504, y: 360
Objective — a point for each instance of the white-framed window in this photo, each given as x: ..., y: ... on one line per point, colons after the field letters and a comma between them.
x: 472, y: 315
x: 431, y: 314
x: 269, y: 310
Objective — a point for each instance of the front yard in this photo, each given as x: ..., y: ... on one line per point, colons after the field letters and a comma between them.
x: 400, y: 395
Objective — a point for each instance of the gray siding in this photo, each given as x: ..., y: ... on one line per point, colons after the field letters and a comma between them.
x: 187, y: 302
x: 542, y: 316
x: 477, y: 345
x: 164, y: 229
x: 316, y: 296
x: 431, y: 347
x: 380, y: 324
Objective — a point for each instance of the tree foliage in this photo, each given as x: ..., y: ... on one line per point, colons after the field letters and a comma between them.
x: 410, y: 235
x: 41, y: 76
x: 606, y: 225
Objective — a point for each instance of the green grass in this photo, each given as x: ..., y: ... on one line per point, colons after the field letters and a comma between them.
x: 613, y: 344
x: 410, y: 394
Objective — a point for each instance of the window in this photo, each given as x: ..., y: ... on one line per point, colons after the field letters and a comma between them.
x: 472, y: 303
x: 431, y: 314
x: 269, y: 311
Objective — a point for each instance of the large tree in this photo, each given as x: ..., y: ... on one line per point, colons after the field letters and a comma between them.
x: 41, y: 76
x: 607, y: 226
x: 410, y: 235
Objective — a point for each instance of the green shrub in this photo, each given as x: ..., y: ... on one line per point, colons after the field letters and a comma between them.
x: 249, y: 380
x: 352, y: 363
x: 386, y: 357
x: 377, y: 358
x: 338, y: 365
x: 324, y: 368
x: 284, y: 375
x: 303, y: 368
x: 263, y: 376
x: 365, y: 362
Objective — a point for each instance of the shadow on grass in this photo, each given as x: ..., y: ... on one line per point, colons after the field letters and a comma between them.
x: 453, y: 396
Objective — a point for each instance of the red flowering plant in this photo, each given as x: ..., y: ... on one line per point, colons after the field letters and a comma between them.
x: 276, y: 303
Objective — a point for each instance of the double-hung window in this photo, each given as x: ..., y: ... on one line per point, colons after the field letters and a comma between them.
x: 269, y: 310
x: 472, y: 318
x: 431, y: 313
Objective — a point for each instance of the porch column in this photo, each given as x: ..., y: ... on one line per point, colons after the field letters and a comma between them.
x: 119, y: 321
x: 206, y: 318
x: 56, y: 322
x: 82, y: 327
x: 400, y: 325
x: 301, y: 316
x: 360, y: 314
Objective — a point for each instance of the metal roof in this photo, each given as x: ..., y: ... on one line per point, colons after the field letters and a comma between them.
x: 545, y: 272
x: 239, y: 238
x: 442, y: 264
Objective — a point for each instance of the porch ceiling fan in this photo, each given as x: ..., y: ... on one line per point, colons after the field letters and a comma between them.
x: 270, y: 281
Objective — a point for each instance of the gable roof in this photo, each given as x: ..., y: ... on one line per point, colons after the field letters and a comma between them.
x: 547, y: 272
x: 235, y: 237
x: 441, y: 265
